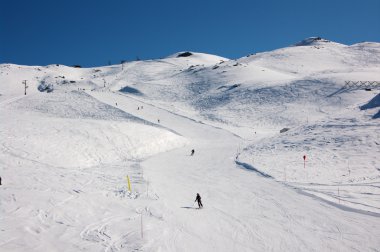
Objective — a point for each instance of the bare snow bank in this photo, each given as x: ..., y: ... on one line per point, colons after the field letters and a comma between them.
x: 83, y: 143
x: 71, y: 104
x: 72, y: 129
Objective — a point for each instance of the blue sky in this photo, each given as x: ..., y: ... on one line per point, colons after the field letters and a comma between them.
x: 94, y: 32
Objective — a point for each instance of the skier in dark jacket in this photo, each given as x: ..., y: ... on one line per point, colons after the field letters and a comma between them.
x: 192, y: 152
x: 198, y: 198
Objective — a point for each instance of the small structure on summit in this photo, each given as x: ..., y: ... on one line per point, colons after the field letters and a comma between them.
x: 184, y: 54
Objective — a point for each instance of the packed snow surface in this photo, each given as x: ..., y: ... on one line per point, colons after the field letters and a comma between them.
x: 286, y: 155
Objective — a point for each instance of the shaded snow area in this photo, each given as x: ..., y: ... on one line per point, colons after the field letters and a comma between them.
x: 69, y: 147
x: 372, y: 104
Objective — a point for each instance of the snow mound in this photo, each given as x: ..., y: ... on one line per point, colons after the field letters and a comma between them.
x: 315, y: 55
x: 73, y: 129
x: 366, y: 44
x: 83, y: 142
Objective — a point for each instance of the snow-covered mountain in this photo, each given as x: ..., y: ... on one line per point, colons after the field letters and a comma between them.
x: 68, y: 145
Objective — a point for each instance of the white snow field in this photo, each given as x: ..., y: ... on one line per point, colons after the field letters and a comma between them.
x: 67, y: 147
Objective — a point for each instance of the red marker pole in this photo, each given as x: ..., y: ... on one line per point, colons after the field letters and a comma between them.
x: 304, y: 161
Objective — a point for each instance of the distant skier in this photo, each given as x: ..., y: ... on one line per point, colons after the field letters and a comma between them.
x: 192, y: 152
x: 158, y: 120
x: 0, y: 180
x: 198, y: 198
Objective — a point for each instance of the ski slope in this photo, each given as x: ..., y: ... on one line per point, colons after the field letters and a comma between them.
x: 68, y: 146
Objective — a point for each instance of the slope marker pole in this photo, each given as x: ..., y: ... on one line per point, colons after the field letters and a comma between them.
x: 24, y: 82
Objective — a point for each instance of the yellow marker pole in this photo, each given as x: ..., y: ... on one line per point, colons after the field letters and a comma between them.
x: 129, y: 183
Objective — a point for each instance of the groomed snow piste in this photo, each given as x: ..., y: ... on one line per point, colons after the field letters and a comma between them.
x: 69, y: 147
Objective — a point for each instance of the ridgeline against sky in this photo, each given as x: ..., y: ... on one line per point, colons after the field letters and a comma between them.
x: 92, y: 33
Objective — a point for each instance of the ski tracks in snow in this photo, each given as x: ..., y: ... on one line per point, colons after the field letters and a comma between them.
x: 219, y: 229
x: 101, y: 232
x: 10, y: 100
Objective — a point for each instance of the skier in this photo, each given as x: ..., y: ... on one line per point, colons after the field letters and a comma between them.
x: 198, y: 198
x: 192, y: 152
x: 0, y: 180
